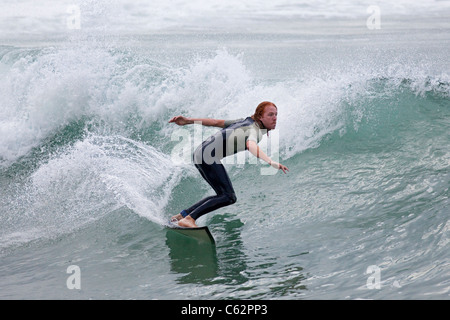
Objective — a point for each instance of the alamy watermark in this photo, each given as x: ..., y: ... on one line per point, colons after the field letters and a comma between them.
x: 74, y: 280
x: 73, y: 21
x: 373, y: 22
x: 374, y: 279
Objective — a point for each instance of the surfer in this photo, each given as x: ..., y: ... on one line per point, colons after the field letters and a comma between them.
x: 235, y: 136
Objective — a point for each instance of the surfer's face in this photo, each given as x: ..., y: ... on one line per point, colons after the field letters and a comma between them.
x: 269, y: 117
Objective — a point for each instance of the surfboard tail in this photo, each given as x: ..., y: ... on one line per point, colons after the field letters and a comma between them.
x: 199, y: 233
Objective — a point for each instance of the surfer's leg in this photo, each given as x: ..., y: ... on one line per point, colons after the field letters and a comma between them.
x: 186, y: 212
x: 207, y: 161
x: 217, y: 177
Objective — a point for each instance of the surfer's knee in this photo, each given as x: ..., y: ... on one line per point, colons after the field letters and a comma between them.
x: 231, y: 198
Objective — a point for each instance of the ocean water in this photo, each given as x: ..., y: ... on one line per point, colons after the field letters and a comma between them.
x: 89, y: 175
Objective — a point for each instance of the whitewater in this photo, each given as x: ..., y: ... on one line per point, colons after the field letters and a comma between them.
x: 89, y: 172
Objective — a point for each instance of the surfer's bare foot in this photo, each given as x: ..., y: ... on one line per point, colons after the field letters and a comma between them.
x: 177, y: 217
x: 187, y: 222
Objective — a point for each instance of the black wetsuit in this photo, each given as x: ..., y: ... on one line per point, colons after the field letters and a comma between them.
x: 230, y: 140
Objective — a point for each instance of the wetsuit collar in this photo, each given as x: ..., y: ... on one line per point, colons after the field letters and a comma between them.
x: 259, y: 124
x: 262, y: 126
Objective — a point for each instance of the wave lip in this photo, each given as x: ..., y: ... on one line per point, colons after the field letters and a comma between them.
x: 50, y: 89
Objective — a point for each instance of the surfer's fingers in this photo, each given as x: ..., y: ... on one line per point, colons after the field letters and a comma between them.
x: 175, y: 119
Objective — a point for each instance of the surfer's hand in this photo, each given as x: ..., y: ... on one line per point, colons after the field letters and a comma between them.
x: 279, y: 166
x: 180, y: 120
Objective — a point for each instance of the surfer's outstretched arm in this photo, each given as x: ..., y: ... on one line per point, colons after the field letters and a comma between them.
x: 181, y: 121
x: 252, y: 146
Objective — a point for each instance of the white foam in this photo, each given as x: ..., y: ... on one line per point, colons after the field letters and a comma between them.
x: 112, y: 170
x: 46, y: 90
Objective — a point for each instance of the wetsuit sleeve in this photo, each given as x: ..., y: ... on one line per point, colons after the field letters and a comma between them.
x: 253, y: 135
x: 230, y: 122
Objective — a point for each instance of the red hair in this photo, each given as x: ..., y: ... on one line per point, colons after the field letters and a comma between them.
x: 260, y: 111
